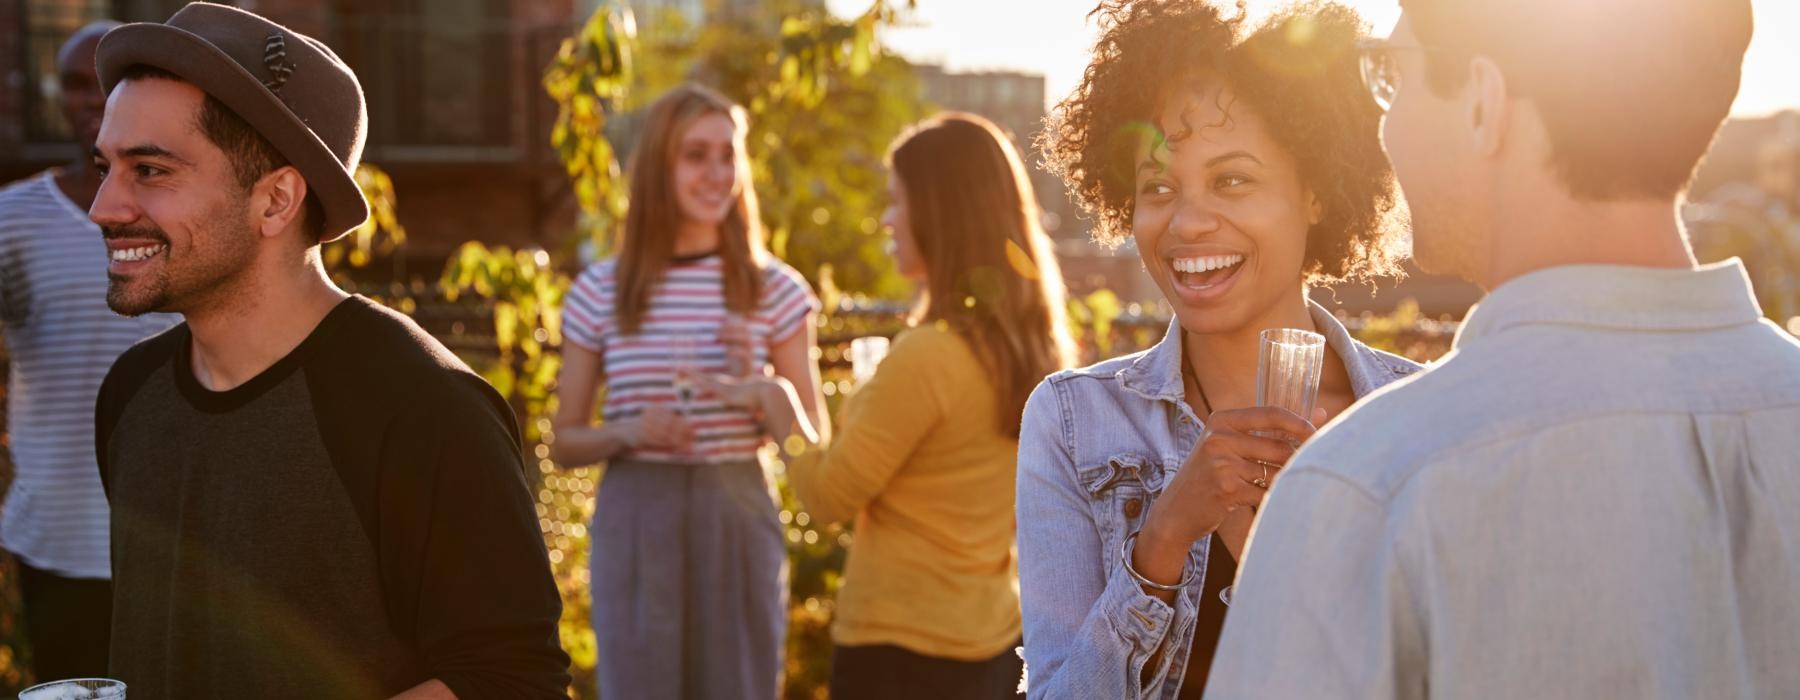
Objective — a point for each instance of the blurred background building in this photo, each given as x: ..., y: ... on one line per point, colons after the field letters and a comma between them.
x: 458, y: 117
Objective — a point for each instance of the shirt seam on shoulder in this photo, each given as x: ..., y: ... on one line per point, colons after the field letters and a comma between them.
x: 1361, y: 490
x: 1065, y: 426
x: 1440, y: 456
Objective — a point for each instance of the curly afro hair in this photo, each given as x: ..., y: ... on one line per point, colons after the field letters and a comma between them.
x: 1298, y: 71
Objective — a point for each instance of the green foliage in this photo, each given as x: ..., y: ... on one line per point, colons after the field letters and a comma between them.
x: 591, y: 69
x: 1764, y: 232
x: 823, y: 182
x: 526, y: 295
x: 1386, y: 332
x: 381, y: 234
x: 1091, y: 320
x: 822, y: 179
x: 1404, y: 331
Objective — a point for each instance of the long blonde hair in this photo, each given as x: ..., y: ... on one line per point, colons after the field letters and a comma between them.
x: 647, y: 243
x: 991, y: 274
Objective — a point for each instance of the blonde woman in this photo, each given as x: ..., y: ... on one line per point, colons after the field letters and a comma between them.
x: 688, y: 563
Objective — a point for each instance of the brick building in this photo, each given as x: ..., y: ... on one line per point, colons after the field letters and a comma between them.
x: 458, y: 117
x: 457, y: 114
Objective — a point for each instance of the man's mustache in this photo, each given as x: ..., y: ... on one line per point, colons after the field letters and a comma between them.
x: 151, y: 233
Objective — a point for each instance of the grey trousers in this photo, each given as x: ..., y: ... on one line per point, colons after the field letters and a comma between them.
x: 689, y: 581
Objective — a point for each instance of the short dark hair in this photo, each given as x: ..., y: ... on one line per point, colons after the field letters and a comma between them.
x: 1632, y: 92
x: 251, y: 155
x: 1298, y: 71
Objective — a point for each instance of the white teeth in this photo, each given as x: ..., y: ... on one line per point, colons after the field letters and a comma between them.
x: 136, y: 254
x: 1207, y: 263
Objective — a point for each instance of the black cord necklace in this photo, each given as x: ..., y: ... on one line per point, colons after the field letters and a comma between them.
x: 1189, y: 378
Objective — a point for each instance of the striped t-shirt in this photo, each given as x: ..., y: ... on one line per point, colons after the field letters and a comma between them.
x: 62, y: 339
x: 681, y: 326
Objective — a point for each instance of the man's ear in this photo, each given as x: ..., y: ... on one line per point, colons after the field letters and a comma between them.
x: 1489, y: 112
x: 278, y: 202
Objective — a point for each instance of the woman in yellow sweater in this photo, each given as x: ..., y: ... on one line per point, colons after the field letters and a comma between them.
x: 925, y: 451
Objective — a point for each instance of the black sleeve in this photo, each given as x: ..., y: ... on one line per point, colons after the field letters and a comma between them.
x: 464, y: 568
x: 106, y: 415
x: 127, y: 375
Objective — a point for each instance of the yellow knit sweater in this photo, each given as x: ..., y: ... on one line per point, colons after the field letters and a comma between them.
x: 920, y: 462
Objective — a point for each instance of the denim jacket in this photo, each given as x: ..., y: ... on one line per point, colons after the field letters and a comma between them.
x: 1097, y: 446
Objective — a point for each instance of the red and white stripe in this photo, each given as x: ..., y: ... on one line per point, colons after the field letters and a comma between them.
x: 686, y: 312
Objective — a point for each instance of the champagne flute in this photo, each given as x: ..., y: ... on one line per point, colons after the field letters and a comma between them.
x: 686, y: 364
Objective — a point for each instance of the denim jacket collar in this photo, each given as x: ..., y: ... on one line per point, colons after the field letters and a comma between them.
x: 1156, y: 375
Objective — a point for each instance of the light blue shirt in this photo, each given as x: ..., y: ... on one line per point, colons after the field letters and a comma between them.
x: 1097, y: 447
x: 1595, y: 495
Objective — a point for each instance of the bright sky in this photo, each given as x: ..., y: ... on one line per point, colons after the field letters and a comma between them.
x: 1052, y: 37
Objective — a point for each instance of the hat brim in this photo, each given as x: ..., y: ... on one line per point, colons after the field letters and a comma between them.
x: 199, y: 62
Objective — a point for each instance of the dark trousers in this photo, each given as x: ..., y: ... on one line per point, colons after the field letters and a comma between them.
x: 880, y: 672
x: 68, y: 622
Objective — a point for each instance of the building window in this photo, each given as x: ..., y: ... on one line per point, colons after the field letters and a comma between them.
x: 152, y: 10
x: 434, y: 77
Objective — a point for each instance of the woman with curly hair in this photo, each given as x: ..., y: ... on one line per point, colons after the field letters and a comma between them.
x: 1245, y: 165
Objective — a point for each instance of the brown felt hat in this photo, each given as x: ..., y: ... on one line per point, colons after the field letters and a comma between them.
x: 290, y: 88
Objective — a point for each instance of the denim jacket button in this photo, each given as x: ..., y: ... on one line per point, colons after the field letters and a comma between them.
x: 1134, y: 507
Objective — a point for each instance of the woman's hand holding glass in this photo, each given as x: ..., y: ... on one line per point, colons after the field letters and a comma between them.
x: 1230, y: 469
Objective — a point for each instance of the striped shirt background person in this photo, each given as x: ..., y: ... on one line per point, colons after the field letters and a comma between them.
x: 62, y: 339
x: 682, y: 323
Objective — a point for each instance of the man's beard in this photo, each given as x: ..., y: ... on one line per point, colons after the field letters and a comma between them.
x: 168, y: 287
x: 139, y: 294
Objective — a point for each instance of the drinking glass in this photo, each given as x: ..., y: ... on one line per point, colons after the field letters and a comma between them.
x: 1287, y: 370
x: 76, y: 689
x: 865, y: 356
x: 685, y: 359
x: 685, y: 362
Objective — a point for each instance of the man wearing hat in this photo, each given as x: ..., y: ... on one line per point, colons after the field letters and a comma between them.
x: 312, y: 498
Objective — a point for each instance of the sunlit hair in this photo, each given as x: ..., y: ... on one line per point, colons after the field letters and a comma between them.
x: 1631, y: 92
x: 1298, y: 72
x: 647, y: 244
x: 991, y: 274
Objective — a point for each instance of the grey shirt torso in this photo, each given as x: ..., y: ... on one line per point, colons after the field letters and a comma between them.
x: 243, y: 552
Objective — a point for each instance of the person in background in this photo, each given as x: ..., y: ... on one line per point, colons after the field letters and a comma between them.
x: 62, y: 339
x: 311, y: 497
x: 689, y: 564
x: 926, y: 449
x: 1244, y: 164
x: 1596, y: 494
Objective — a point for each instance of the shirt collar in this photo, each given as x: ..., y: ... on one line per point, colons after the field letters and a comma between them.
x: 1618, y: 297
